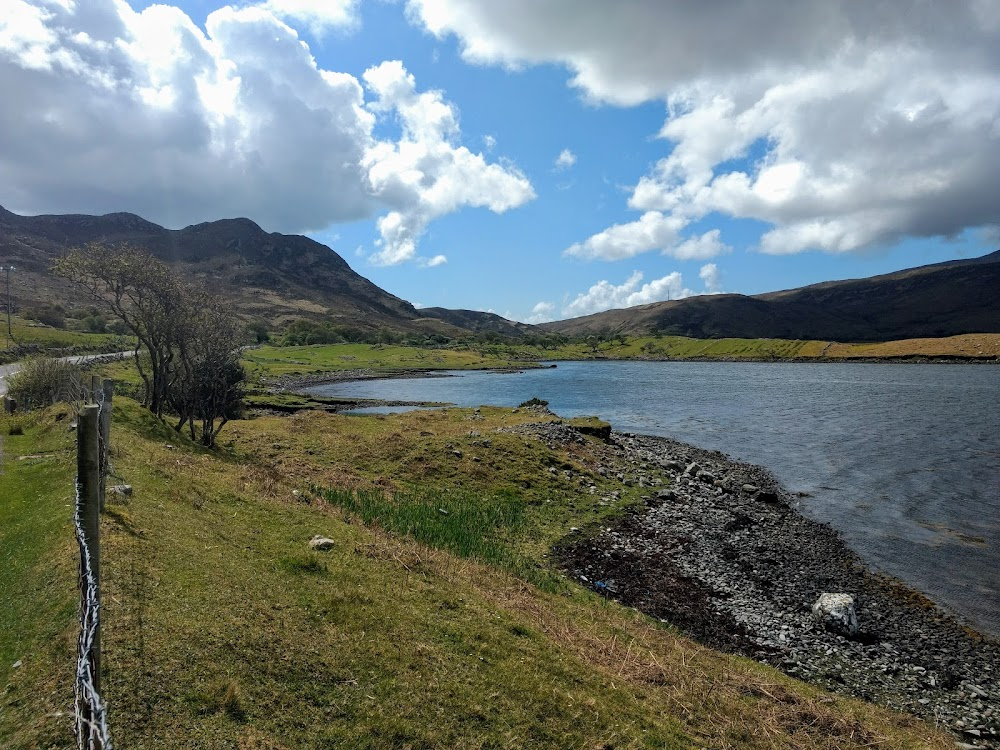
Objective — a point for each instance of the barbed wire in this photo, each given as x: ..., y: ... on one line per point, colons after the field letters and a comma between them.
x: 90, y: 711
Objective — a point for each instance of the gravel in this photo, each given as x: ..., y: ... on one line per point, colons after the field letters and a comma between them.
x: 719, y: 551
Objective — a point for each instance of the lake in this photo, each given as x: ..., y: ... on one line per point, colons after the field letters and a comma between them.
x: 903, y: 460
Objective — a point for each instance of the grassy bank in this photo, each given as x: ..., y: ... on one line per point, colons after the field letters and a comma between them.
x: 270, y: 362
x: 34, y: 337
x: 974, y: 346
x: 435, y: 620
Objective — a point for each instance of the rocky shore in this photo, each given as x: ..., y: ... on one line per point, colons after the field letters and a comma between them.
x: 720, y: 552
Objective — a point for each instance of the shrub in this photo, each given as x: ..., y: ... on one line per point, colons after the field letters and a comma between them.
x: 43, y: 381
x: 49, y: 315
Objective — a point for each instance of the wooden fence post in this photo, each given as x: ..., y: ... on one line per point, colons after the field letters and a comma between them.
x: 108, y: 392
x: 88, y: 471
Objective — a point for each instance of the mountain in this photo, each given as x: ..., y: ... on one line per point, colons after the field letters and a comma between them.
x: 480, y: 322
x: 271, y: 276
x: 944, y: 299
x: 279, y: 277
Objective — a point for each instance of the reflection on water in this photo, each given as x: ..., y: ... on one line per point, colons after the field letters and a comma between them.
x: 902, y: 459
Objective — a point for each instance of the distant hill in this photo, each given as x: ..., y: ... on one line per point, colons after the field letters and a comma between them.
x: 480, y: 322
x: 279, y: 277
x: 943, y: 299
x: 275, y: 277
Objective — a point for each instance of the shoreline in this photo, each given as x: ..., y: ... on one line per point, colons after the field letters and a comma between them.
x: 293, y: 383
x: 720, y: 552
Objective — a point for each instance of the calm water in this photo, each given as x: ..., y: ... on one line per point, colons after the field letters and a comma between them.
x: 904, y: 460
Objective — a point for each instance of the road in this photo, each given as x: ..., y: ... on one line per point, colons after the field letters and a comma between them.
x: 7, y: 370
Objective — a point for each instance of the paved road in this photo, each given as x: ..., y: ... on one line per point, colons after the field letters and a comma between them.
x: 7, y: 370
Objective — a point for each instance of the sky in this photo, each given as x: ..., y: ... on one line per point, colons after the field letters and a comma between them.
x: 541, y: 159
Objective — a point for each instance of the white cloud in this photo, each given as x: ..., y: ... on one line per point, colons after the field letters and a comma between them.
x: 653, y: 231
x: 540, y: 313
x: 709, y: 274
x: 437, y: 260
x: 146, y: 112
x: 425, y: 174
x: 320, y: 16
x: 867, y: 122
x: 606, y: 296
x: 490, y: 142
x: 565, y: 160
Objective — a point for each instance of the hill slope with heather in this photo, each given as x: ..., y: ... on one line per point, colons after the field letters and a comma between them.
x: 944, y: 299
x: 274, y: 277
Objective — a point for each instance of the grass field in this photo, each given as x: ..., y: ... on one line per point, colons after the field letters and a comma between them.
x: 304, y: 360
x: 985, y: 345
x: 419, y: 629
x: 41, y: 338
x: 271, y: 362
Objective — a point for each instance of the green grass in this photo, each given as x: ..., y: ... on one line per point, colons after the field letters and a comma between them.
x: 462, y: 523
x: 38, y: 597
x: 43, y: 338
x: 271, y: 361
x: 223, y: 629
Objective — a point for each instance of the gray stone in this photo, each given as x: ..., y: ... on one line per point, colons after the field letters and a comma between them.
x: 321, y: 543
x: 122, y: 490
x: 836, y: 613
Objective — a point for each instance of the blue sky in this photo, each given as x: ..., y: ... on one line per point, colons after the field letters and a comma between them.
x: 765, y: 148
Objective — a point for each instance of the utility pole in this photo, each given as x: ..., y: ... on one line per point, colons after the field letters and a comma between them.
x: 8, y: 269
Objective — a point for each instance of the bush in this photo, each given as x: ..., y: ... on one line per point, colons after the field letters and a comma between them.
x: 94, y: 324
x: 49, y: 315
x: 43, y: 381
x: 257, y: 331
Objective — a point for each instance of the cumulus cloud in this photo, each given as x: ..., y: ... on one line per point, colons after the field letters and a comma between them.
x: 490, y: 142
x: 653, y: 231
x: 146, y: 112
x: 607, y: 296
x: 843, y: 125
x: 426, y: 174
x: 565, y: 160
x: 437, y: 260
x: 541, y: 313
x: 709, y: 274
x: 320, y: 16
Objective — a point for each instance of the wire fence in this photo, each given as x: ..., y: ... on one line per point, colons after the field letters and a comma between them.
x: 91, y: 715
x: 93, y: 424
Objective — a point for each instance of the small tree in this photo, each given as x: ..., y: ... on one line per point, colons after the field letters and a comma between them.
x: 209, y: 387
x: 187, y: 347
x: 139, y: 290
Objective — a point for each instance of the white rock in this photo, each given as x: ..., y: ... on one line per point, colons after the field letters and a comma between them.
x: 836, y: 612
x: 321, y: 543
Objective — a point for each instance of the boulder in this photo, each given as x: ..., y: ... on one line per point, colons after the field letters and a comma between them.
x: 321, y: 543
x: 836, y: 613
